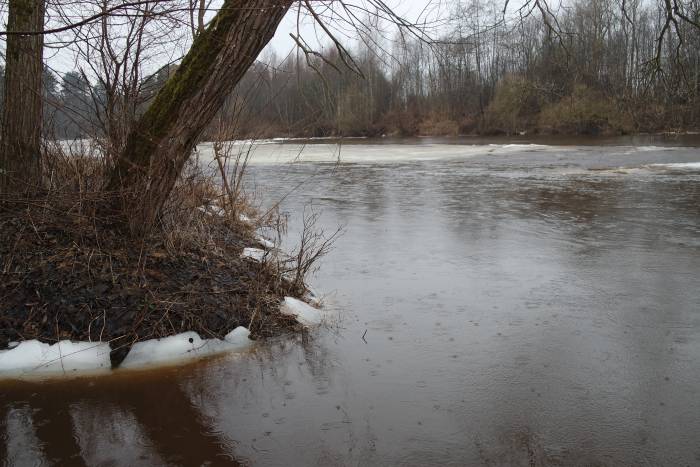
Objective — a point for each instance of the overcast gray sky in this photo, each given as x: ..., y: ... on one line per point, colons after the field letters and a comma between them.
x: 62, y: 60
x: 411, y: 10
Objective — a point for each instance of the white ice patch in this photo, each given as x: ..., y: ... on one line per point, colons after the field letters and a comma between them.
x: 256, y: 254
x: 33, y: 358
x: 530, y: 146
x: 265, y: 242
x: 244, y: 218
x: 304, y: 313
x: 182, y: 347
x: 679, y: 165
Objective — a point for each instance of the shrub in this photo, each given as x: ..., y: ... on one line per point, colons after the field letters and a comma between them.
x: 585, y: 111
x: 513, y: 108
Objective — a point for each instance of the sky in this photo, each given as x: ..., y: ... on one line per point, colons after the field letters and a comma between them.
x: 61, y: 59
x: 430, y: 13
x: 411, y: 10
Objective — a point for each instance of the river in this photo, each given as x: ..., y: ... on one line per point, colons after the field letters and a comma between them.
x: 490, y: 303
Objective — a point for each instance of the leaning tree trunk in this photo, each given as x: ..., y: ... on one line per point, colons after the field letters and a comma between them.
x: 20, y: 149
x: 162, y: 140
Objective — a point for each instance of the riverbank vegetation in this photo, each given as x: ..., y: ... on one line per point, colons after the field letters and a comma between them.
x: 68, y: 274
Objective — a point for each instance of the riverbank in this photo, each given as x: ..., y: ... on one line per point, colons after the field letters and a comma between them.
x: 571, y: 117
x: 65, y: 275
x: 454, y: 129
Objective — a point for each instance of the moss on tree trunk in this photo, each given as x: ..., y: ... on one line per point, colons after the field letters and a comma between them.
x: 162, y: 140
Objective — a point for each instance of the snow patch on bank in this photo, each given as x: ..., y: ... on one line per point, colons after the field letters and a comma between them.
x: 302, y: 311
x: 34, y: 358
x: 183, y: 347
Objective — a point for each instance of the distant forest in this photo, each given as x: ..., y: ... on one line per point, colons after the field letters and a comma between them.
x: 594, y: 67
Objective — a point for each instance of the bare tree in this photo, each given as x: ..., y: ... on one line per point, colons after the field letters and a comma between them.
x: 162, y: 140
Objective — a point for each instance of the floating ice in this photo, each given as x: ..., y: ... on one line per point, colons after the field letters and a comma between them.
x: 304, y: 313
x: 181, y: 347
x: 256, y: 254
x: 34, y: 358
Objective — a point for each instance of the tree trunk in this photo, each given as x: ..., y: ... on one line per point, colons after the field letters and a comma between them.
x: 20, y: 150
x: 162, y: 140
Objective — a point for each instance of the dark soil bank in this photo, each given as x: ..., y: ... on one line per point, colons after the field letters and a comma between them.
x: 64, y: 277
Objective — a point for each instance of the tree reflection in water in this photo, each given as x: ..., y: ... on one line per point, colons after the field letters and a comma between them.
x: 158, y: 410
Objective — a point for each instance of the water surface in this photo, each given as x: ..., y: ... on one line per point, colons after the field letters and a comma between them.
x: 521, y: 304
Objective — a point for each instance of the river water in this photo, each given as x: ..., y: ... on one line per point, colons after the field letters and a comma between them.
x: 490, y: 304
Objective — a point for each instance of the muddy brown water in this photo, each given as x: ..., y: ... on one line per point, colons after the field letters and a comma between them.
x: 520, y: 305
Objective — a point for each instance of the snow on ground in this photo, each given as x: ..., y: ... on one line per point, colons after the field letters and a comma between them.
x: 304, y: 313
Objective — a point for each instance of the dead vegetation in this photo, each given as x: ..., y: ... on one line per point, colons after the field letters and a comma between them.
x: 66, y: 274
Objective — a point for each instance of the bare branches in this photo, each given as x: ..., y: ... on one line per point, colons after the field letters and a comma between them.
x: 85, y: 21
x: 314, y: 244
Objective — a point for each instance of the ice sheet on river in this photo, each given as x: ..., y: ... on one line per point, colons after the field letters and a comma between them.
x: 281, y: 152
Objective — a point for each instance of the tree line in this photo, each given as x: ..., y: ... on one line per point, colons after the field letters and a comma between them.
x: 593, y: 67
